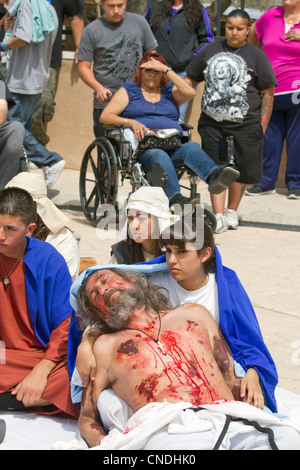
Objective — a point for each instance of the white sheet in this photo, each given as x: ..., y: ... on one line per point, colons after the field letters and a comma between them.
x: 27, y: 431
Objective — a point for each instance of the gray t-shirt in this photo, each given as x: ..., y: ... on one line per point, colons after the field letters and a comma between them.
x: 28, y: 66
x: 115, y: 49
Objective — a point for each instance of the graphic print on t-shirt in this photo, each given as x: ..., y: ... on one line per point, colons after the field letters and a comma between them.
x: 122, y: 58
x: 225, y: 95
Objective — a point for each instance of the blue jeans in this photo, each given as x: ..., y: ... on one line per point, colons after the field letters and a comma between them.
x: 22, y: 111
x: 190, y: 155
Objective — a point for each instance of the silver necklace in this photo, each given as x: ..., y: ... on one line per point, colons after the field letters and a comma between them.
x: 6, y: 279
x: 235, y: 50
x: 156, y: 340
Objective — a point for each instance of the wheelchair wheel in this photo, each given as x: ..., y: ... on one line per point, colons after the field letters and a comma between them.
x: 98, y: 180
x: 210, y: 219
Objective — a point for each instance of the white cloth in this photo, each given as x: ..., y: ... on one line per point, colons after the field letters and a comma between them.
x: 28, y: 431
x: 160, y: 426
x: 67, y: 245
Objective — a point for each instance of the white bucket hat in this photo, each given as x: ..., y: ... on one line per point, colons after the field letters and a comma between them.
x: 35, y: 185
x: 151, y: 200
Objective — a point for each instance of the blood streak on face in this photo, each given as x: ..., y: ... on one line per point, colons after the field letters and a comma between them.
x: 100, y: 283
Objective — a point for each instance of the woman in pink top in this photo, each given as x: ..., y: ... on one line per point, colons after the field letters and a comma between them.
x: 278, y: 32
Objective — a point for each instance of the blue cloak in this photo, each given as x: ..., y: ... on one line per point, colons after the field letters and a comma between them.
x: 238, y: 322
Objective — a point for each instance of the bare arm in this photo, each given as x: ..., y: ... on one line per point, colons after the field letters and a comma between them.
x: 89, y: 423
x: 252, y: 36
x: 77, y: 26
x: 3, y: 111
x: 87, y: 76
x: 31, y: 388
x: 111, y: 113
x: 191, y: 82
x: 85, y: 360
x: 266, y: 107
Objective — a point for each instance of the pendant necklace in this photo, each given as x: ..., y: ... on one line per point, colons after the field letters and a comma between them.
x: 156, y: 340
x: 6, y: 279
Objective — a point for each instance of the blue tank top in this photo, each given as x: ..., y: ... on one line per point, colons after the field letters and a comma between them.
x: 161, y: 115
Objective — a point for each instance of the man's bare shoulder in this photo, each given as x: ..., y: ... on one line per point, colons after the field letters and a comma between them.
x: 105, y: 344
x: 190, y: 309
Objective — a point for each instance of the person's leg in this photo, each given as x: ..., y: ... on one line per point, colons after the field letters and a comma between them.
x: 11, y: 150
x: 149, y: 157
x: 272, y: 151
x: 44, y: 111
x: 292, y: 178
x: 99, y: 129
x: 191, y: 156
x: 235, y: 194
x: 36, y: 152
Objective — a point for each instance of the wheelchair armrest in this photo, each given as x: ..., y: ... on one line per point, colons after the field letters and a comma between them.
x: 186, y: 127
x: 112, y: 126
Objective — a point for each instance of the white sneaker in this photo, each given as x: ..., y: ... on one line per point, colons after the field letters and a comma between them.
x: 31, y: 165
x: 221, y: 224
x: 231, y: 219
x: 51, y: 173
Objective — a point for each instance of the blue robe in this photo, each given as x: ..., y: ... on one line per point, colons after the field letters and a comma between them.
x: 47, y: 282
x: 238, y: 322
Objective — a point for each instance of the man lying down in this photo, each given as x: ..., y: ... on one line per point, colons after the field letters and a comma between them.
x: 172, y: 367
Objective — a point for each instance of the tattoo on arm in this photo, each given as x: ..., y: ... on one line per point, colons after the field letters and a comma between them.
x: 266, y: 110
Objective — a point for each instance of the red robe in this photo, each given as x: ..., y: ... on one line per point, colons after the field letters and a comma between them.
x: 23, y: 350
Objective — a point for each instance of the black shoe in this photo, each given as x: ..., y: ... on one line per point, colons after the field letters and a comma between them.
x: 258, y: 191
x: 2, y: 430
x: 157, y: 176
x: 221, y: 179
x: 187, y: 204
x: 294, y: 193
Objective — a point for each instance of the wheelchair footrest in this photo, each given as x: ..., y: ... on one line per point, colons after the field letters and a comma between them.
x: 157, y: 176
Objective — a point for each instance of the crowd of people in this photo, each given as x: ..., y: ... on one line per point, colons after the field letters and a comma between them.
x: 165, y: 321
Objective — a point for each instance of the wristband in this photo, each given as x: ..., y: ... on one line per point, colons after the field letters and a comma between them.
x: 3, y: 47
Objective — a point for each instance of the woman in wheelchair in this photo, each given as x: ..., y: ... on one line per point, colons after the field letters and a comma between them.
x: 151, y: 102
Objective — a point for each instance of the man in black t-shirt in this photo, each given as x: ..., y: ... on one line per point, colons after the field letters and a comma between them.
x: 45, y: 109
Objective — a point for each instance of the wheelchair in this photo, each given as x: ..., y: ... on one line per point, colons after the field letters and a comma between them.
x: 109, y: 160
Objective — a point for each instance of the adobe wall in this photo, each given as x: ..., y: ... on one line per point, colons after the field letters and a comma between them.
x: 71, y: 129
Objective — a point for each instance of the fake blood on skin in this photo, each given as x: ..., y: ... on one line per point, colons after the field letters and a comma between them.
x: 186, y: 370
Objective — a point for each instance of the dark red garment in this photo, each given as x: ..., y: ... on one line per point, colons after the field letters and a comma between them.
x: 22, y: 348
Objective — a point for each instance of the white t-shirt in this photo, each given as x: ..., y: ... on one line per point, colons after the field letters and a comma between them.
x: 206, y: 295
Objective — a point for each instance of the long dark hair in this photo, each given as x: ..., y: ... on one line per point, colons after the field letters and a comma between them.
x: 151, y: 297
x: 192, y: 10
x: 189, y: 234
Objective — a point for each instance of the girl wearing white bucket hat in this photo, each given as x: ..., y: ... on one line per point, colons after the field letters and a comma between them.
x: 147, y: 215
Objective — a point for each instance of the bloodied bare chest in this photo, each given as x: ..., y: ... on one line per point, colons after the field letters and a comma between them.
x: 177, y: 366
